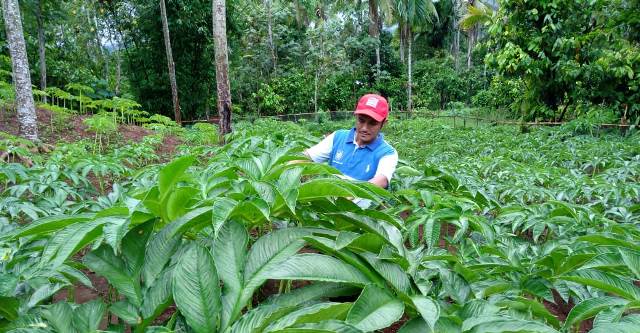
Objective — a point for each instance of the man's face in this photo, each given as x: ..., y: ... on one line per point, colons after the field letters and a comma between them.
x: 367, y: 129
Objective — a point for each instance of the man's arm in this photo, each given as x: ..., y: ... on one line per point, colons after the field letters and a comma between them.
x: 321, y: 151
x: 386, y: 169
x: 380, y: 181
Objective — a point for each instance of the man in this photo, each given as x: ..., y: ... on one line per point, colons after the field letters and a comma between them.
x: 361, y: 153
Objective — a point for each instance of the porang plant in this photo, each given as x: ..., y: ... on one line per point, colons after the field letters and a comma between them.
x: 485, y: 250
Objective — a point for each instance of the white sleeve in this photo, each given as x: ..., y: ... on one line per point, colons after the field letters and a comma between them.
x: 321, y: 151
x: 387, y: 165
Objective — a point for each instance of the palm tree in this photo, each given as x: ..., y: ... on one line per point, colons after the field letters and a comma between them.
x: 222, y: 64
x: 374, y: 32
x: 411, y: 15
x: 170, y: 63
x: 270, y: 42
x: 477, y: 14
x: 27, y: 119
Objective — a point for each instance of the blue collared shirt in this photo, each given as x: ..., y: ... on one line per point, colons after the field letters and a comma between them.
x: 357, y: 162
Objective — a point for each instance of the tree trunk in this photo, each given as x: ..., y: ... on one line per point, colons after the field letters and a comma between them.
x: 170, y: 63
x: 41, y: 50
x: 409, y: 72
x: 403, y: 40
x: 456, y: 37
x: 105, y: 56
x: 272, y: 46
x: 222, y: 65
x: 118, y: 72
x: 374, y: 19
x: 470, y: 46
x: 112, y: 39
x: 27, y: 119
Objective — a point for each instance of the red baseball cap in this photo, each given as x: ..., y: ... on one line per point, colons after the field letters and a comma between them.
x: 374, y: 106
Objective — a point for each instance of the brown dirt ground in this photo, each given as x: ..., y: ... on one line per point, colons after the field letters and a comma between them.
x: 76, y: 130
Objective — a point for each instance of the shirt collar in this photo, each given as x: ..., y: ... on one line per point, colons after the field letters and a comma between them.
x: 371, y: 146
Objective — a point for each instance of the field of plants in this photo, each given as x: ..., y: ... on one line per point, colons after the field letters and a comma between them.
x: 484, y: 229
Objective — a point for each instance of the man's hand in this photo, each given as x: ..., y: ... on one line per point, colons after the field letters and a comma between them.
x: 380, y: 181
x: 300, y: 161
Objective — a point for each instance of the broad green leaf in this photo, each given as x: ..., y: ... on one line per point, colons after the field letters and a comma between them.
x: 191, y: 221
x: 330, y: 326
x: 387, y: 232
x: 133, y: 247
x: 60, y: 316
x: 529, y: 306
x: 428, y: 309
x: 157, y: 297
x: 391, y: 272
x: 9, y: 307
x: 632, y: 261
x: 87, y: 316
x: 266, y: 254
x: 610, y: 315
x: 311, y: 314
x: 312, y: 292
x: 605, y: 281
x: 329, y: 246
x: 42, y: 293
x: 230, y: 251
x: 170, y: 174
x: 105, y: 263
x: 345, y: 238
x: 68, y: 241
x: 114, y: 230
x: 8, y: 284
x: 322, y: 188
x: 126, y: 311
x: 415, y: 325
x: 616, y: 328
x: 178, y: 202
x: 317, y: 267
x: 256, y: 211
x: 196, y: 289
x: 255, y: 320
x: 606, y: 240
x: 49, y: 224
x: 375, y: 309
x: 75, y: 275
x: 500, y: 324
x: 589, y: 308
x: 158, y: 252
x: 432, y: 232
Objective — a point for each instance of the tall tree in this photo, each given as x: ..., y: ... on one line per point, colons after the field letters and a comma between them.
x: 27, y: 119
x: 374, y: 32
x: 41, y: 48
x: 477, y: 15
x: 272, y: 46
x: 170, y: 63
x: 410, y: 14
x: 219, y: 14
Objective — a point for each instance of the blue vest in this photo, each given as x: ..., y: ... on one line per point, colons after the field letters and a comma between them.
x: 359, y: 163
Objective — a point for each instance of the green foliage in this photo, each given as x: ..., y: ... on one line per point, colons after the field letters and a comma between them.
x: 269, y: 102
x: 193, y: 53
x: 202, y: 134
x: 101, y: 124
x: 527, y: 215
x: 567, y: 52
x: 501, y: 94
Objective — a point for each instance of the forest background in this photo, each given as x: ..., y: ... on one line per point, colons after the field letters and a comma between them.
x: 532, y: 60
